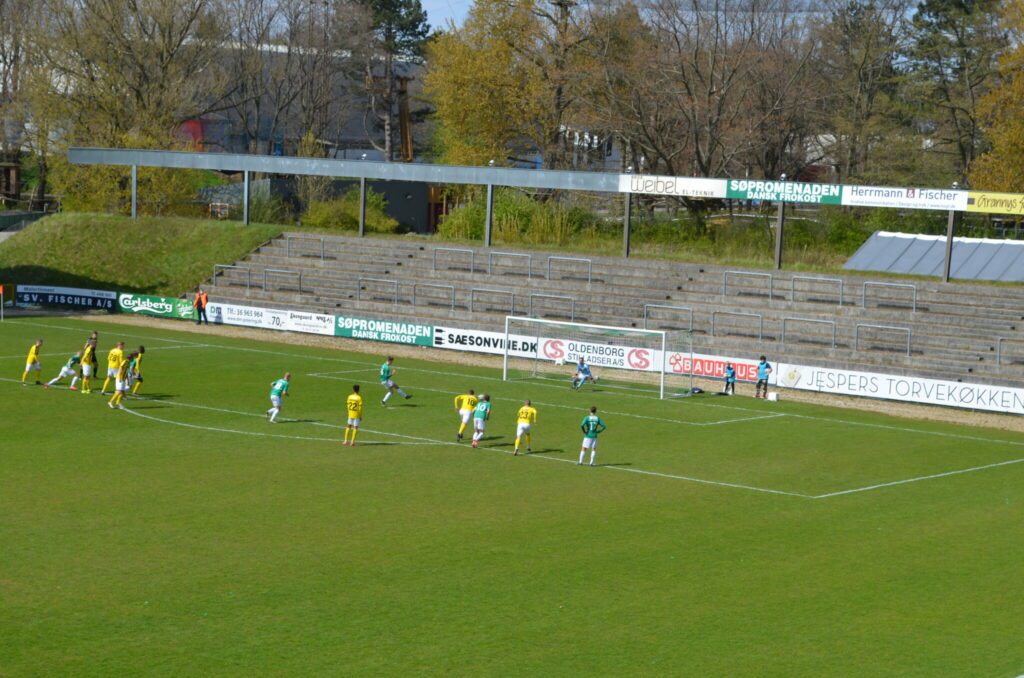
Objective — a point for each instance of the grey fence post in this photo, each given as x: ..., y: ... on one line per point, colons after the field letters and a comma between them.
x: 362, y: 206
x: 245, y: 197
x: 489, y: 223
x: 627, y: 222
x: 135, y: 191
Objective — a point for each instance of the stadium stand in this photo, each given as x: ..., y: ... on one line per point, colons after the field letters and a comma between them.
x: 956, y: 331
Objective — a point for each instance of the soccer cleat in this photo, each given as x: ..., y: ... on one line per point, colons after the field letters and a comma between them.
x: 24, y: 384
x: 474, y: 443
x: 72, y: 388
x: 110, y: 405
x: 591, y: 463
x: 120, y: 406
x: 407, y: 397
x: 46, y: 386
x: 529, y: 449
x: 458, y: 437
x: 515, y: 452
x: 352, y: 444
x: 39, y: 383
x: 86, y: 391
x: 384, y: 403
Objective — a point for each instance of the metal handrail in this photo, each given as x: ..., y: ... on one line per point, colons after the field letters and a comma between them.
x: 760, y: 318
x: 473, y: 292
x: 416, y: 285
x: 810, y: 320
x: 472, y: 256
x: 288, y: 244
x: 748, y: 274
x: 864, y: 292
x: 572, y: 303
x: 677, y: 308
x: 856, y: 334
x: 792, y: 285
x: 248, y: 273
x: 359, y: 287
x: 298, y: 274
x: 589, y: 262
x: 528, y: 257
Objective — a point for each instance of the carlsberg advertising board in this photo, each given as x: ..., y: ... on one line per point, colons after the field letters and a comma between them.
x: 165, y: 307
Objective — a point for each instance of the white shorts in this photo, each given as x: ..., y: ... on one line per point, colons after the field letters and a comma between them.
x: 275, y: 401
x: 111, y: 373
x: 522, y: 430
x: 32, y: 366
x: 590, y: 443
x: 390, y: 383
x: 67, y: 372
x: 479, y: 423
x: 354, y: 421
x: 86, y: 370
x: 120, y: 385
x: 465, y: 415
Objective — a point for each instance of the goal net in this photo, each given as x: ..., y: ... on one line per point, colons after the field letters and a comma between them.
x: 654, y: 361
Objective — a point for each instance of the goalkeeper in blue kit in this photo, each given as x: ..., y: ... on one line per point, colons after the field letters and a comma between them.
x: 582, y: 374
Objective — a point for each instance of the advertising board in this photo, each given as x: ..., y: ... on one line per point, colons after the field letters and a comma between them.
x: 40, y: 295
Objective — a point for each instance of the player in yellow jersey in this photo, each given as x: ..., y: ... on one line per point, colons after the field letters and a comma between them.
x: 464, y: 406
x: 32, y: 363
x: 526, y: 417
x: 354, y: 405
x: 114, y: 358
x: 121, y: 381
x: 137, y: 370
x: 88, y: 365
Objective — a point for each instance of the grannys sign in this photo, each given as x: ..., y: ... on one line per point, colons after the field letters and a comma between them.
x: 164, y: 307
x: 785, y: 191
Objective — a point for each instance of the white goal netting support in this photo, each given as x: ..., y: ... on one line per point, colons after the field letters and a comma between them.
x: 655, y: 361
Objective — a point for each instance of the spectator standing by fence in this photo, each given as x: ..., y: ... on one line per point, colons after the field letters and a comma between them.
x: 200, y: 305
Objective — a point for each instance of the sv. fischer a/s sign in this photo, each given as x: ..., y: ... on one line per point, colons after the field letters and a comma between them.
x: 39, y: 295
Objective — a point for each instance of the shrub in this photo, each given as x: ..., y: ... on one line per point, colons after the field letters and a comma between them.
x: 342, y: 214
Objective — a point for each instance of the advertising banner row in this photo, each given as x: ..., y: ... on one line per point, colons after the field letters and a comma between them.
x: 825, y: 194
x: 801, y: 377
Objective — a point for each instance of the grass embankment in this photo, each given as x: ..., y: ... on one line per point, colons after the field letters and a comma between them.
x: 152, y: 255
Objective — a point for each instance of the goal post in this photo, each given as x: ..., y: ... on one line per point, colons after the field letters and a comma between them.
x: 624, y: 357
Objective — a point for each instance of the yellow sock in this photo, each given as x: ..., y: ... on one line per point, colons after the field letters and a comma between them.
x: 85, y: 383
x: 113, y: 400
x: 24, y: 377
x: 517, y: 443
x: 105, y: 384
x: 527, y: 439
x: 347, y: 429
x: 461, y: 428
x: 354, y: 432
x: 135, y: 389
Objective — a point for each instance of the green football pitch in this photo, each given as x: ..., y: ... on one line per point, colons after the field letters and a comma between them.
x: 187, y: 536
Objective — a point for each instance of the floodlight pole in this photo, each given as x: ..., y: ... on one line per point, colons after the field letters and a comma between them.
x: 135, y: 191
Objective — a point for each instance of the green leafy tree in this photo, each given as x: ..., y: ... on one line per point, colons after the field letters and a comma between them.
x: 1002, y: 167
x: 400, y: 31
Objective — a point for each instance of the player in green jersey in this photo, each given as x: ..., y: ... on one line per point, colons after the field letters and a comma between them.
x: 278, y: 389
x: 387, y: 380
x: 592, y: 425
x: 481, y: 413
x: 69, y: 370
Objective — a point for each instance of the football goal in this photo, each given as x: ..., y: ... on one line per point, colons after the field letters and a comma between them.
x: 655, y: 361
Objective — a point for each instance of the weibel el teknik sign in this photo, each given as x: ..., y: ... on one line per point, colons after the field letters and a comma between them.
x: 683, y: 187
x: 785, y: 191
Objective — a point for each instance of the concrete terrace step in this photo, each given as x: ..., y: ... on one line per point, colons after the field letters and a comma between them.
x: 611, y: 304
x: 953, y: 366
